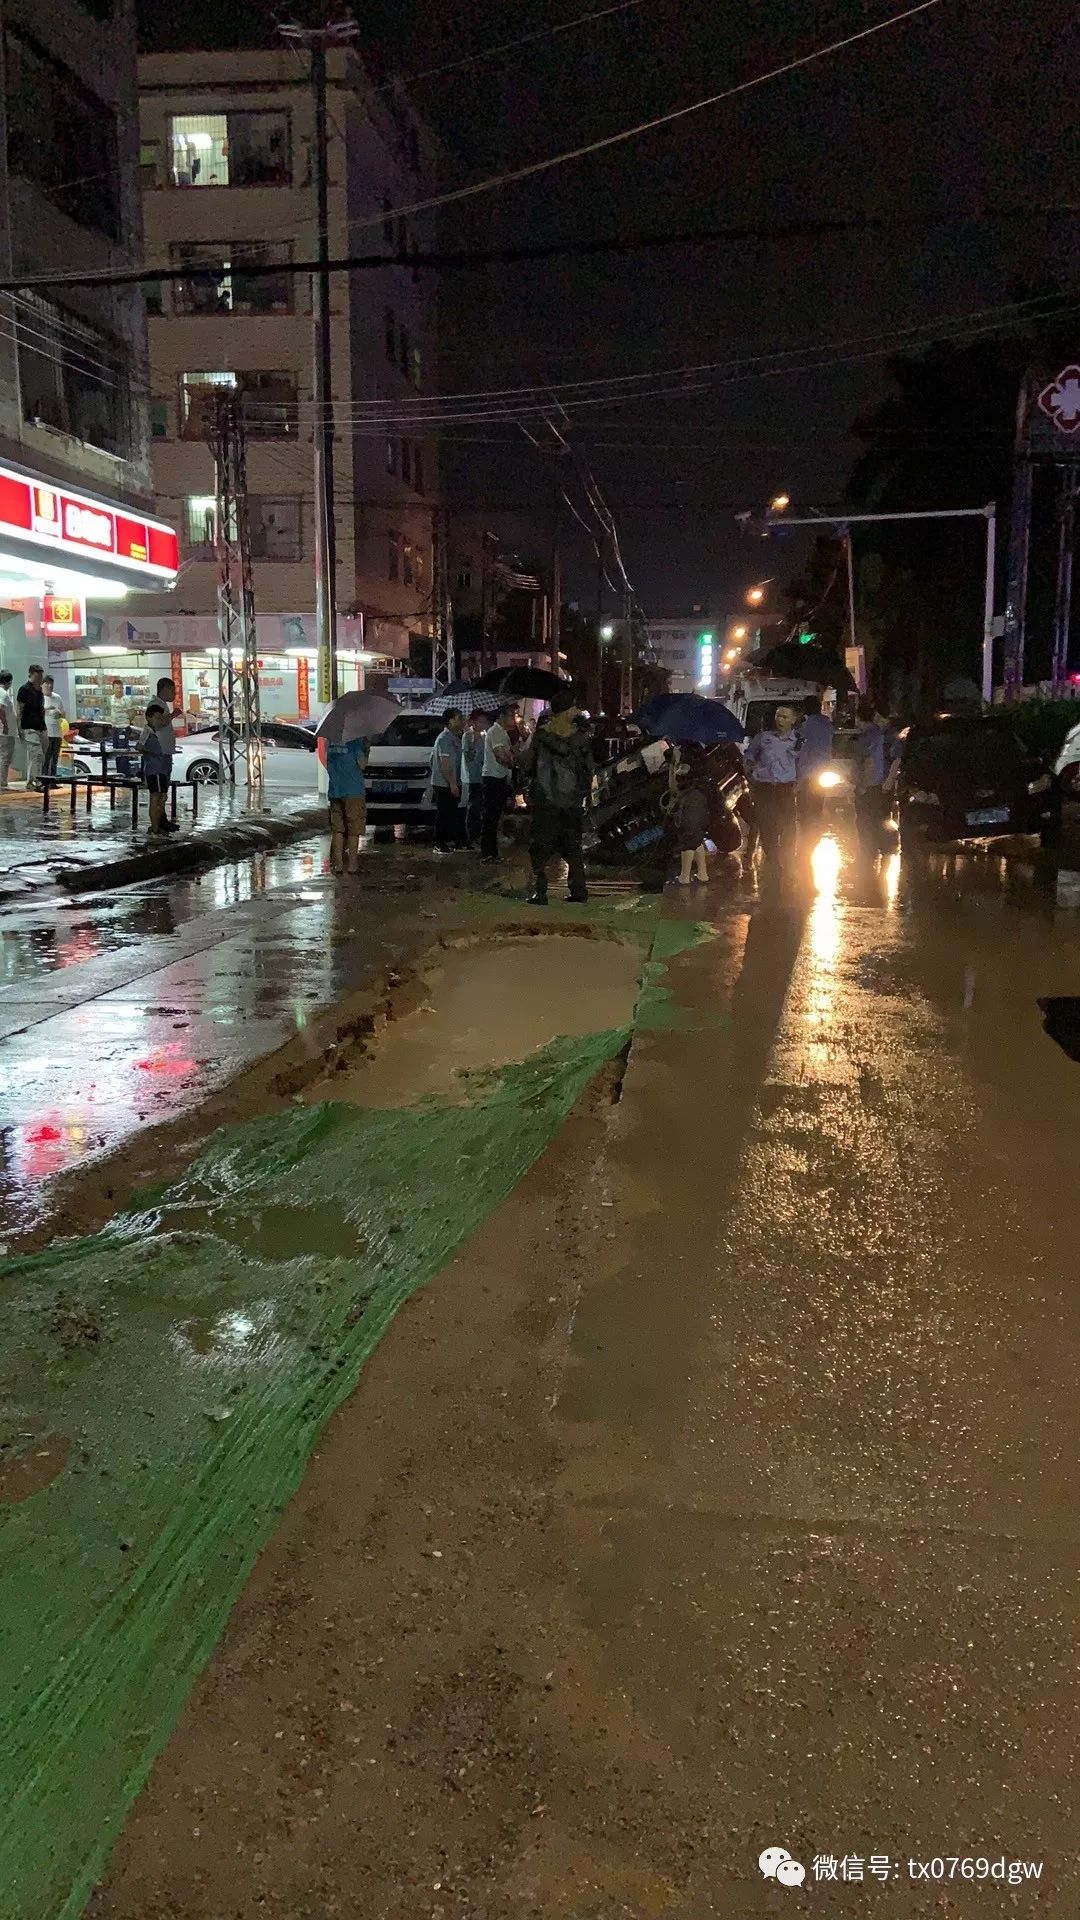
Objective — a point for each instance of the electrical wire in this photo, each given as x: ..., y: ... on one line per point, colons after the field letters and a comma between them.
x: 566, y: 158
x: 512, y: 46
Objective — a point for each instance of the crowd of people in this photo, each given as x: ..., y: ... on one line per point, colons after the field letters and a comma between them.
x: 784, y: 762
x: 479, y: 763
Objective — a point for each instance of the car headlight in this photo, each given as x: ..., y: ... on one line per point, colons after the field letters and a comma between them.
x: 1042, y: 785
x: 828, y: 778
x: 922, y: 797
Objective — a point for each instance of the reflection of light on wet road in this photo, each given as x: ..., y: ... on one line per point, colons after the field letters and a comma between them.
x: 890, y: 877
x: 824, y: 929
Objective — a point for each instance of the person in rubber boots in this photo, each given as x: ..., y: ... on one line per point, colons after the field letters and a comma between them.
x: 558, y: 761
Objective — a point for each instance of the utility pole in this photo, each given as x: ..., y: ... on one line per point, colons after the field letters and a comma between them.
x: 556, y: 606
x: 239, y: 730
x: 626, y: 690
x: 1063, y: 597
x: 316, y: 40
x: 442, y: 639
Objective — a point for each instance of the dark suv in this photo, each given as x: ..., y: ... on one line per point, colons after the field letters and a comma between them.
x: 970, y: 777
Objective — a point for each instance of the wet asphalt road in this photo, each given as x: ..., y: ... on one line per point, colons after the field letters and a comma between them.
x: 762, y: 1533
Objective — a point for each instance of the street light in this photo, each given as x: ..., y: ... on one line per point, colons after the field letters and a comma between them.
x: 738, y: 633
x: 754, y: 596
x: 607, y: 633
x: 779, y: 503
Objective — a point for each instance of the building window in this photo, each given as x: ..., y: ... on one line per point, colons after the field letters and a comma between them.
x: 387, y: 220
x: 415, y: 367
x: 276, y: 526
x: 268, y: 399
x: 72, y: 377
x: 419, y: 566
x: 403, y: 343
x: 391, y: 456
x: 238, y: 149
x: 406, y: 462
x: 61, y: 137
x: 393, y: 556
x: 149, y: 164
x: 220, y: 282
x: 407, y: 566
x: 159, y: 419
x: 418, y: 469
x: 200, y: 525
x: 154, y: 296
x: 390, y: 334
x: 464, y: 579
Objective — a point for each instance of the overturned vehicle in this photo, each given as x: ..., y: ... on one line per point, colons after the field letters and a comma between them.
x: 632, y: 819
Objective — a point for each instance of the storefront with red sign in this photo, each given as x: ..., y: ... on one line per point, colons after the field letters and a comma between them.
x: 67, y: 558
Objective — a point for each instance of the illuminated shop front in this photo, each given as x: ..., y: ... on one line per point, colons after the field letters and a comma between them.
x: 67, y: 557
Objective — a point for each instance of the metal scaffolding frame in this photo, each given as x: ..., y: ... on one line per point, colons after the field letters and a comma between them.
x: 442, y: 626
x: 240, y: 753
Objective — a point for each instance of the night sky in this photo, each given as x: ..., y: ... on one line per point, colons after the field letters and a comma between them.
x: 968, y: 106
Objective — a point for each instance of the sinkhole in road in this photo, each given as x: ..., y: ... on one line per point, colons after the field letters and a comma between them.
x: 482, y: 1006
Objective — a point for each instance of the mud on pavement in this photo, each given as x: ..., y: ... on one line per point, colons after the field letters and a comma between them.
x: 223, y: 1318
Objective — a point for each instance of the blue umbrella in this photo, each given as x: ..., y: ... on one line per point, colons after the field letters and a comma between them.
x: 688, y: 718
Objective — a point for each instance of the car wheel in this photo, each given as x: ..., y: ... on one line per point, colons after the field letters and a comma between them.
x: 1070, y: 781
x: 81, y: 767
x: 204, y: 773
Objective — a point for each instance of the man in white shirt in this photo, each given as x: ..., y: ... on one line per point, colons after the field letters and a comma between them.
x: 498, y: 776
x: 9, y: 727
x: 54, y: 732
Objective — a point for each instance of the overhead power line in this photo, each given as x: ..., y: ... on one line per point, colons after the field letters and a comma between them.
x: 536, y: 167
x: 640, y: 241
x: 512, y: 46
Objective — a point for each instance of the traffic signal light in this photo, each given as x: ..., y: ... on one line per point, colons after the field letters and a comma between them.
x: 806, y: 638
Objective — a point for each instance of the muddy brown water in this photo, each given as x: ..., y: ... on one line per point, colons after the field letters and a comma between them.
x: 482, y: 1007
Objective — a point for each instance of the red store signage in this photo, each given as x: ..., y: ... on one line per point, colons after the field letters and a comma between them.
x: 71, y: 526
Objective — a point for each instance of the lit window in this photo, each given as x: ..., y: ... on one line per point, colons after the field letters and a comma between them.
x: 220, y: 282
x: 200, y: 516
x: 239, y: 149
x: 408, y: 558
x: 269, y: 403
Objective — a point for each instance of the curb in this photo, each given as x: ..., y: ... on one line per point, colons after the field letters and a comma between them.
x: 198, y: 850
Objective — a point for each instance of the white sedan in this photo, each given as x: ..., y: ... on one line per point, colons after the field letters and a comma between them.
x: 290, y: 763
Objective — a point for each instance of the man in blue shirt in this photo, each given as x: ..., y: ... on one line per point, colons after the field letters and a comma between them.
x: 815, y: 736
x: 875, y: 751
x: 446, y: 782
x: 348, y: 806
x: 771, y: 760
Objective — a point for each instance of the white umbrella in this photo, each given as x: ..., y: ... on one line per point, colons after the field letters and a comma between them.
x: 357, y: 716
x: 473, y: 700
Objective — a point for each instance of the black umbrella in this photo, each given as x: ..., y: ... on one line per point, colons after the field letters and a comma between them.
x: 795, y: 662
x: 522, y: 683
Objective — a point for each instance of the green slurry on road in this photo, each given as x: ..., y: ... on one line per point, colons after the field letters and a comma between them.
x: 164, y: 1384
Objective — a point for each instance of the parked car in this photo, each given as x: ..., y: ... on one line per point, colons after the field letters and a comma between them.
x: 290, y: 763
x: 1067, y: 764
x: 970, y: 777
x: 399, y: 772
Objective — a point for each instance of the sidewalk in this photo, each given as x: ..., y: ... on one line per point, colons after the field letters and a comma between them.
x: 59, y: 849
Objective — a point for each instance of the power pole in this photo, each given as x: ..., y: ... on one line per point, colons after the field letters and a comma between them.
x: 239, y: 730
x: 442, y: 640
x: 556, y: 607
x: 1063, y: 598
x: 316, y: 40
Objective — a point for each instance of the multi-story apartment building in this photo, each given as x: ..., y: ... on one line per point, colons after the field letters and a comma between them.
x: 75, y: 483
x: 227, y: 174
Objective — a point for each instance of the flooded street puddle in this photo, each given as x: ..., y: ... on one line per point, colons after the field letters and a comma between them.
x: 486, y: 1006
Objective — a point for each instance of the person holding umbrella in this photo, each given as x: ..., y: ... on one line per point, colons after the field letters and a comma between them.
x: 345, y: 733
x: 472, y: 773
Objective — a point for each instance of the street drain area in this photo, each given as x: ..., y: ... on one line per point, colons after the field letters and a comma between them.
x: 484, y: 1006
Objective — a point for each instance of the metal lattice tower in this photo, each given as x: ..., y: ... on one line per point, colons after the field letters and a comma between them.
x: 239, y: 731
x: 442, y: 639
